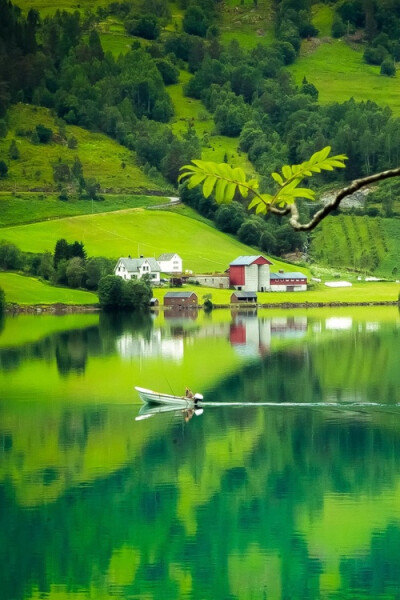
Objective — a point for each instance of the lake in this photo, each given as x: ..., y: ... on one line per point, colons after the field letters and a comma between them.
x: 287, y: 488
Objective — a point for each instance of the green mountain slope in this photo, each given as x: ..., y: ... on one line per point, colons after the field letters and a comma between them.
x: 102, y: 158
x: 133, y: 232
x: 338, y: 70
x: 361, y: 243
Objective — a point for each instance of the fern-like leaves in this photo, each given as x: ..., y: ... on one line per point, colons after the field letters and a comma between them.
x: 225, y: 181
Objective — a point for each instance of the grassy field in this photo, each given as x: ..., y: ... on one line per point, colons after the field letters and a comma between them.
x: 49, y: 7
x: 193, y: 111
x: 339, y: 73
x: 322, y: 18
x: 360, y: 243
x: 27, y: 290
x: 101, y: 157
x: 248, y: 24
x: 28, y: 207
x: 203, y: 248
x: 359, y: 292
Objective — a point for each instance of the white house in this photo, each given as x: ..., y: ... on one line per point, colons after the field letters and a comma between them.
x: 170, y: 263
x: 135, y: 268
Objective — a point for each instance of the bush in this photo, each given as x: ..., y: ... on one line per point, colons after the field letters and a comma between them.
x: 2, y: 300
x: 168, y: 71
x: 115, y: 293
x: 110, y: 292
x: 10, y: 256
x: 44, y: 134
x: 338, y: 28
x: 388, y: 68
x: 375, y: 56
x: 250, y: 232
x: 13, y: 151
x: 146, y: 27
x: 3, y: 169
x: 75, y: 272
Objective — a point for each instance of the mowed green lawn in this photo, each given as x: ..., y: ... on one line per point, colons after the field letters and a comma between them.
x: 359, y: 292
x: 203, y: 248
x: 27, y: 290
x: 28, y: 207
x: 339, y: 73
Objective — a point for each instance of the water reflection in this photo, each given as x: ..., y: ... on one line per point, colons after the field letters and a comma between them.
x: 100, y: 499
x: 239, y: 503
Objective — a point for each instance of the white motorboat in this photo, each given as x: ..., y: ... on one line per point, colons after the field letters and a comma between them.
x: 151, y: 397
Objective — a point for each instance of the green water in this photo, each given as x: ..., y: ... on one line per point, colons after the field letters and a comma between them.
x: 294, y: 496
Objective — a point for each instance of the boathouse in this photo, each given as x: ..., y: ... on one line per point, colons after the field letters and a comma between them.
x: 243, y: 298
x: 181, y: 299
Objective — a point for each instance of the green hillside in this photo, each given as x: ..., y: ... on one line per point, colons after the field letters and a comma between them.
x: 28, y: 207
x: 339, y: 73
x: 338, y: 70
x: 102, y: 158
x: 133, y: 232
x: 360, y: 243
x: 27, y: 290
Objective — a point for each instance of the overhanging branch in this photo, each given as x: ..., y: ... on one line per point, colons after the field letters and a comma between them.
x: 356, y: 185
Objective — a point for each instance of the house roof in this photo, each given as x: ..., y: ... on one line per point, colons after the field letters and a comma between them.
x: 132, y: 265
x: 178, y: 294
x: 294, y: 275
x: 167, y: 256
x: 245, y: 294
x: 246, y: 260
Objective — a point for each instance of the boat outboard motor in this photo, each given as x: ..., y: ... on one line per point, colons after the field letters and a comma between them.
x: 198, y: 397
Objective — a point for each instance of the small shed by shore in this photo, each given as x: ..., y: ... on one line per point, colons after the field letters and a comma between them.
x: 243, y: 298
x: 181, y: 299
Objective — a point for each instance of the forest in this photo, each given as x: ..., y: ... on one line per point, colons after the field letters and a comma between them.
x: 58, y: 62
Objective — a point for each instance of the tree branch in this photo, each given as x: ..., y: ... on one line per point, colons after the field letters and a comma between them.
x: 356, y: 185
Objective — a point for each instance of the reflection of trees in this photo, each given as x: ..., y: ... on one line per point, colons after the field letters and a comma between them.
x: 191, y: 500
x: 113, y: 325
x: 358, y: 366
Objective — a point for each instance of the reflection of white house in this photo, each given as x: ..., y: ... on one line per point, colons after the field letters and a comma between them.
x: 135, y: 268
x: 130, y: 346
x: 170, y: 263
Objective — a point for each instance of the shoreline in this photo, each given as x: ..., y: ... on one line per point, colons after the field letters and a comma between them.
x: 62, y: 309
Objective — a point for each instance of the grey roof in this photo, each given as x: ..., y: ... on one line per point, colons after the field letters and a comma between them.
x: 132, y: 264
x: 295, y: 275
x: 166, y: 256
x: 178, y: 294
x: 245, y: 294
x: 245, y: 260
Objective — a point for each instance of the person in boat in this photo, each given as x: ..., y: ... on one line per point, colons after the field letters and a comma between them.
x: 189, y: 393
x: 188, y: 414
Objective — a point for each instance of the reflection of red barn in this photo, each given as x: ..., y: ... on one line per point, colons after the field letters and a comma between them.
x: 237, y: 334
x: 250, y: 274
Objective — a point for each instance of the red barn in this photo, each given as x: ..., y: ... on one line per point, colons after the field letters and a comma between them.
x: 250, y: 274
